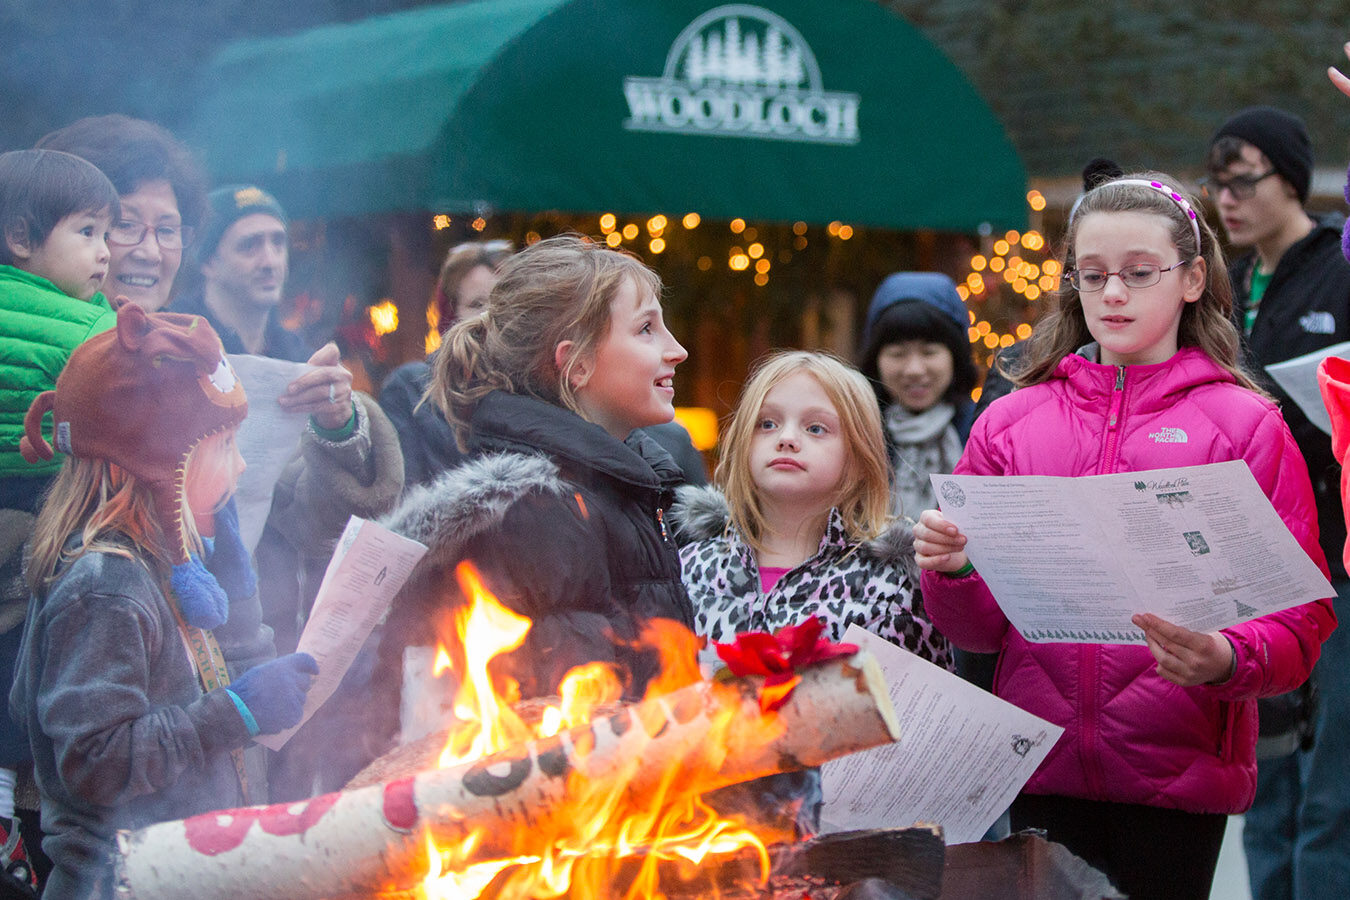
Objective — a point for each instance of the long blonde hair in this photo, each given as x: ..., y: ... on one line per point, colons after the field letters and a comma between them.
x: 865, y: 493
x: 1206, y: 323
x: 556, y: 290
x: 108, y: 506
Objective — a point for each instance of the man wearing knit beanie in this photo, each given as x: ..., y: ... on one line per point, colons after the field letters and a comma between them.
x: 1291, y: 287
x: 243, y: 252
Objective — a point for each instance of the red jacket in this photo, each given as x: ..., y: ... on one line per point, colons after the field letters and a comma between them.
x: 1130, y: 735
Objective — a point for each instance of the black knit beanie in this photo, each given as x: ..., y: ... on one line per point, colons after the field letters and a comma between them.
x: 1281, y: 136
x: 227, y: 205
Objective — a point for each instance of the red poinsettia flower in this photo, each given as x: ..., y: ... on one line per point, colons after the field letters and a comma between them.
x: 779, y: 656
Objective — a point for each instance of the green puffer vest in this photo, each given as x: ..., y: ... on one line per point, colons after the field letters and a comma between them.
x: 39, y: 327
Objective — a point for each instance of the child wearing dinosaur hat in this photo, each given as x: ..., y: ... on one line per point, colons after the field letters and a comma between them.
x: 121, y: 686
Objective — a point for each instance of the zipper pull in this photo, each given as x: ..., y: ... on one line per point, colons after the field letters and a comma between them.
x: 661, y: 521
x: 1120, y: 386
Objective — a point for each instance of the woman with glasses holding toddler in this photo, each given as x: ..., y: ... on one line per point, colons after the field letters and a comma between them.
x: 1159, y: 740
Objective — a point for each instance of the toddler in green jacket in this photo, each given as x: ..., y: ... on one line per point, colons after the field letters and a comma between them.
x: 55, y: 214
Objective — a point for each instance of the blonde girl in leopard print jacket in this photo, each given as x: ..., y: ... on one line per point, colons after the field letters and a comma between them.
x: 797, y: 524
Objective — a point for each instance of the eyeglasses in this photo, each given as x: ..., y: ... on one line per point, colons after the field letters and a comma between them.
x: 169, y: 237
x: 1089, y: 281
x: 1242, y: 187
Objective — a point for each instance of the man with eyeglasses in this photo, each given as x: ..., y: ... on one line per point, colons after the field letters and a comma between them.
x: 1291, y: 287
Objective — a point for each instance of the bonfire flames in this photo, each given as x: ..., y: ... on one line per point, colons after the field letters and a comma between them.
x: 592, y: 798
x: 609, y: 825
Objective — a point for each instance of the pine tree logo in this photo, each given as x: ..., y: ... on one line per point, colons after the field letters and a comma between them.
x: 742, y: 71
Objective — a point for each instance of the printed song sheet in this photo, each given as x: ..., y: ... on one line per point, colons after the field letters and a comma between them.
x: 368, y: 567
x: 1298, y: 378
x: 1069, y: 560
x: 921, y: 778
x: 268, y: 438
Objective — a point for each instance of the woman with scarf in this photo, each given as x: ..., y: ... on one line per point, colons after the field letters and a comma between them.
x: 917, y: 355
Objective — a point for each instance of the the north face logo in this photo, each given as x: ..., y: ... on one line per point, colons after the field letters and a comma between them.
x: 1168, y: 436
x: 1318, y: 323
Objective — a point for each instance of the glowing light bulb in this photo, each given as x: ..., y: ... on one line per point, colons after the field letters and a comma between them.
x: 384, y: 317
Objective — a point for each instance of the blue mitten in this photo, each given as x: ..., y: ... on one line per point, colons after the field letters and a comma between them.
x: 228, y: 559
x: 273, y: 694
x: 200, y: 598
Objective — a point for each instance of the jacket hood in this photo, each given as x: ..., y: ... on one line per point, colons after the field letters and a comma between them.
x: 701, y: 513
x: 472, y: 498
x: 932, y: 288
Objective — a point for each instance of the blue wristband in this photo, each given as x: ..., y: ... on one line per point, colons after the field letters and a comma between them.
x: 249, y: 722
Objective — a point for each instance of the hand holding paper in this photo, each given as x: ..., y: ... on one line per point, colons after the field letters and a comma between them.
x: 1187, y: 657
x: 368, y: 567
x: 1073, y: 559
x: 939, y: 545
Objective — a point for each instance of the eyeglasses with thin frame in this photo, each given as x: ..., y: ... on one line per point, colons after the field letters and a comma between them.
x: 1142, y: 275
x: 127, y: 233
x: 1242, y: 187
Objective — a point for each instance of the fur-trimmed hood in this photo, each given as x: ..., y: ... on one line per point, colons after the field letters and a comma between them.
x: 472, y: 499
x: 701, y: 513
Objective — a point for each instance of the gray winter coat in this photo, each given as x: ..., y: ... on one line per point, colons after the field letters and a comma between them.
x: 122, y: 734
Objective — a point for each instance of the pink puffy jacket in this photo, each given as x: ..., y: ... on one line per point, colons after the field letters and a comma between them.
x: 1130, y: 735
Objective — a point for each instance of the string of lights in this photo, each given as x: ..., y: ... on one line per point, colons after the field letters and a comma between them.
x: 1002, y: 286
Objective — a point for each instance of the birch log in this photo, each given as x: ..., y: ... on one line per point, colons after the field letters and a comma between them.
x: 373, y: 840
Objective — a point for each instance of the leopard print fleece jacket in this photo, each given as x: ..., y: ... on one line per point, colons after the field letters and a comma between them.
x: 873, y: 584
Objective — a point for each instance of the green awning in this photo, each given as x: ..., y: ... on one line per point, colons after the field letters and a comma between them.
x: 782, y: 111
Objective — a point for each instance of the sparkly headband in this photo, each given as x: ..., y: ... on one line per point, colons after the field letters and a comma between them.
x: 1174, y: 197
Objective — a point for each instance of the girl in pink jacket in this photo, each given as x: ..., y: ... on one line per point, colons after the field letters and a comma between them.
x: 1136, y: 368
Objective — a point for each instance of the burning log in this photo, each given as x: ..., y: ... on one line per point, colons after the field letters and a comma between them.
x: 374, y: 840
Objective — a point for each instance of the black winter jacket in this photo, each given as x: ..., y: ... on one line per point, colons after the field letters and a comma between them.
x: 1305, y: 307
x: 428, y: 442
x: 425, y: 437
x: 564, y: 524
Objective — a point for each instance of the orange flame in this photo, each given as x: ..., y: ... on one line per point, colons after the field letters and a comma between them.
x: 611, y: 836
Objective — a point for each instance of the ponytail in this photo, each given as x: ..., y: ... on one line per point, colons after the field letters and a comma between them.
x: 555, y: 290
